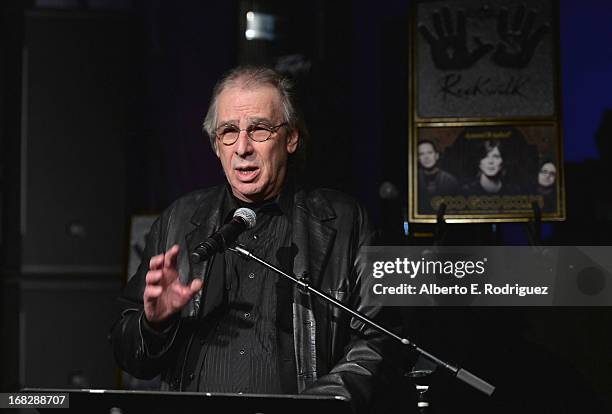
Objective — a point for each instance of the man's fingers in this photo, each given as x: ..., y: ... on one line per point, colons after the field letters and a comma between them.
x: 153, y: 277
x: 156, y: 262
x: 170, y: 257
x: 152, y: 292
x: 186, y: 292
x: 169, y: 269
x: 164, y: 293
x: 181, y: 294
x: 196, y: 285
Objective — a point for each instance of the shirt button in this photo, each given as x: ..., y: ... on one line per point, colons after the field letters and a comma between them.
x: 242, y: 352
x: 246, y: 314
x: 191, y: 376
x: 254, y: 236
x: 251, y: 275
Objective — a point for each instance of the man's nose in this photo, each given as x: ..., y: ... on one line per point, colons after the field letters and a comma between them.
x: 243, y: 145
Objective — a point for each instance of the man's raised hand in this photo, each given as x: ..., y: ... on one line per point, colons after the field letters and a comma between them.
x: 164, y: 294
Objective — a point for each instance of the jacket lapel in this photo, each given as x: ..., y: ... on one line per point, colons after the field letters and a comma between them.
x: 313, y: 240
x: 206, y: 221
x: 311, y: 235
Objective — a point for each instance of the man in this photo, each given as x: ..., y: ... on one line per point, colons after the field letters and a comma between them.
x: 230, y: 325
x: 545, y: 187
x: 433, y: 181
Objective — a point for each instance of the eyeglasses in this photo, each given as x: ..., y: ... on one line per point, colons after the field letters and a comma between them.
x: 228, y: 133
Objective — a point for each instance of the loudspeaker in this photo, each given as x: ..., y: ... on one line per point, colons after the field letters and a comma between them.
x: 56, y: 332
x: 76, y: 86
x: 65, y: 205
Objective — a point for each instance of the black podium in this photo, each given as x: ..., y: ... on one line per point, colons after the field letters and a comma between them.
x: 131, y: 402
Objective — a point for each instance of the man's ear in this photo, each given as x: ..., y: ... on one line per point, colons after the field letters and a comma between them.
x: 292, y: 141
x: 216, y: 148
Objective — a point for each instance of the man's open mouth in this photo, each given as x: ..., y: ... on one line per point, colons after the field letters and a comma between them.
x: 247, y: 173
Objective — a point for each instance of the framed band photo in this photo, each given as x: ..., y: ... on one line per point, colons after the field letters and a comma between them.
x: 486, y: 173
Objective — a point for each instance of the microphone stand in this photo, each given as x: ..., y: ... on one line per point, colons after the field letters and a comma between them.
x: 460, y: 373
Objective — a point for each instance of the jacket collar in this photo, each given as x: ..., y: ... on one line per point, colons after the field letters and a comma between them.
x: 209, y: 208
x: 311, y: 235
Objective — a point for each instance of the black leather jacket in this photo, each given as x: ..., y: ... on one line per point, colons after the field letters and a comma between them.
x: 334, y: 354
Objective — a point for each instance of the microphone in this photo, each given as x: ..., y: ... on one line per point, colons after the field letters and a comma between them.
x: 243, y: 219
x: 388, y: 191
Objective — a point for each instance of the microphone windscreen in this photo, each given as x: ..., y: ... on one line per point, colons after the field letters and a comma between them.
x: 247, y: 215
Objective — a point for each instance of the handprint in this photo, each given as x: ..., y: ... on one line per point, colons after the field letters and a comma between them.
x: 518, y: 42
x: 449, y: 49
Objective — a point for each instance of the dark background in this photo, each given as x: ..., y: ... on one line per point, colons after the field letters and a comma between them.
x: 101, y: 105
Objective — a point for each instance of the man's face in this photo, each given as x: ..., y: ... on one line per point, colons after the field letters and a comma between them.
x: 428, y: 157
x: 255, y: 170
x: 547, y: 175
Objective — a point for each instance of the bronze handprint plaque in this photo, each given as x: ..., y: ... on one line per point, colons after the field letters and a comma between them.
x: 484, y: 59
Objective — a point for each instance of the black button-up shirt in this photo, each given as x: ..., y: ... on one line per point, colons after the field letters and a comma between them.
x: 248, y: 345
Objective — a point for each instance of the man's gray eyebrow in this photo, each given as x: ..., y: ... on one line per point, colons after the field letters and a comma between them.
x: 231, y: 122
x: 254, y: 120
x: 261, y: 120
